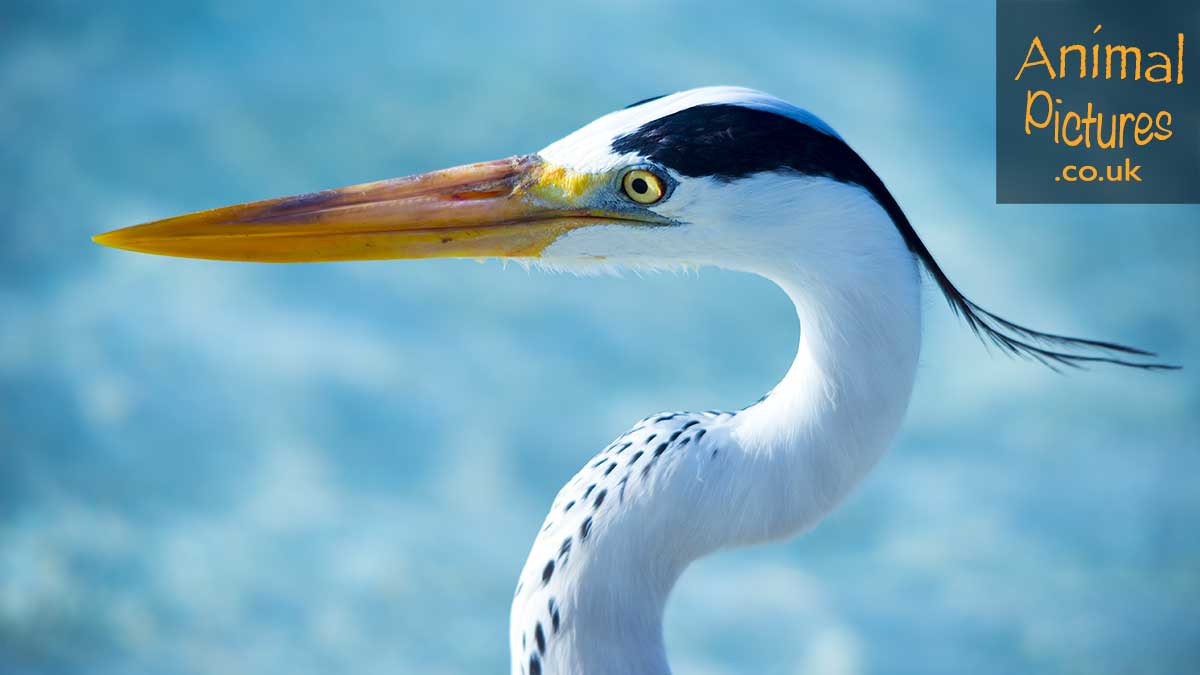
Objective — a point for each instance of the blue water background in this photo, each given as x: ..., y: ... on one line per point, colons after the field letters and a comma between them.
x: 219, y: 468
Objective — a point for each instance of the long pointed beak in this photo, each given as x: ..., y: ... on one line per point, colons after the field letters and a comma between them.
x: 511, y: 207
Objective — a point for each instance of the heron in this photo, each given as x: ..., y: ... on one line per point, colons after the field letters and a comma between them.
x: 723, y: 177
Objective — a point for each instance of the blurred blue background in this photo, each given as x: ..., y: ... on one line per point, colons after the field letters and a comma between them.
x: 220, y: 468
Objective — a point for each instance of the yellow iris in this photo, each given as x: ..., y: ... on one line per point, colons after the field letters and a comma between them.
x: 643, y: 186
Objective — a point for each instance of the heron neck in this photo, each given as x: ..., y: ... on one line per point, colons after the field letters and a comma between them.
x: 825, y: 425
x: 769, y: 471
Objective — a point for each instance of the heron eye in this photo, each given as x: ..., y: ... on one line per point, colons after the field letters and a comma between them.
x: 643, y: 186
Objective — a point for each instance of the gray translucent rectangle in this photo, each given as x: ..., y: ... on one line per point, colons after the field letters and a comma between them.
x: 1154, y: 116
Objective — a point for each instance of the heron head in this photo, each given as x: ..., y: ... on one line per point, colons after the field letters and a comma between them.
x: 694, y: 178
x: 713, y: 176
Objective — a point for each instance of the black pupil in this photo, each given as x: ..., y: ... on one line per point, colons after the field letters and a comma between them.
x: 639, y: 186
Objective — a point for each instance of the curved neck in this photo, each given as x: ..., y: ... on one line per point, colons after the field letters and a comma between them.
x: 856, y: 288
x: 835, y: 412
x: 766, y: 472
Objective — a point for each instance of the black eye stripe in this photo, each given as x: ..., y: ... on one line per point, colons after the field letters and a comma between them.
x: 729, y: 142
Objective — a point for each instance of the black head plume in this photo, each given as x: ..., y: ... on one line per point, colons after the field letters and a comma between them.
x: 1049, y: 349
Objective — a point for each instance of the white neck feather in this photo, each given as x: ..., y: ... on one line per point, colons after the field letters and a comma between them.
x: 779, y: 466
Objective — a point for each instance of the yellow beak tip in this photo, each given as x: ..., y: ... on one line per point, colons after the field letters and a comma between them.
x: 118, y: 239
x: 109, y: 239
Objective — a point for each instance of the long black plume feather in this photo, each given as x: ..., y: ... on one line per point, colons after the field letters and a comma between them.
x: 1049, y: 349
